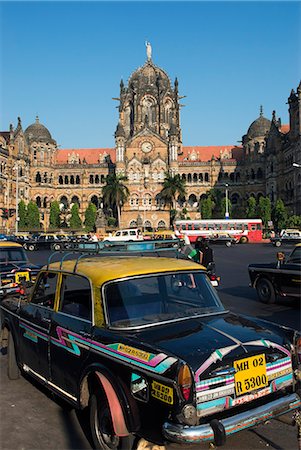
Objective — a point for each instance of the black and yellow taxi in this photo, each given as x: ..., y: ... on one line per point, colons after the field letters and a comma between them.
x: 15, y: 267
x: 147, y: 346
x: 280, y: 278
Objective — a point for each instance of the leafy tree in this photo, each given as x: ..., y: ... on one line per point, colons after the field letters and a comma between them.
x: 22, y: 212
x: 251, y: 208
x: 223, y: 207
x: 264, y: 210
x: 33, y: 216
x: 173, y: 185
x: 279, y: 215
x: 75, y: 220
x: 90, y: 217
x: 294, y: 222
x: 206, y: 207
x: 115, y: 193
x: 54, y: 218
x: 217, y: 196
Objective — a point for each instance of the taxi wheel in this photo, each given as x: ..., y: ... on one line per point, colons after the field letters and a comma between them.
x: 13, y: 371
x: 102, y: 431
x: 277, y: 243
x: 265, y: 291
x: 243, y: 240
x: 31, y: 247
x: 56, y: 247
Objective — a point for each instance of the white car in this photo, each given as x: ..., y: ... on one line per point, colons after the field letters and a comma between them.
x: 131, y: 234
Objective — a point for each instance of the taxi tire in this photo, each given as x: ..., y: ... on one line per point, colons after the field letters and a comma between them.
x: 243, y: 240
x: 265, y: 291
x: 101, y: 427
x: 31, y: 247
x: 13, y: 371
x: 56, y: 247
x: 277, y: 243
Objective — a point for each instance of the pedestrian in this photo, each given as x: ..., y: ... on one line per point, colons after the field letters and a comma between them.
x: 93, y: 237
x: 205, y: 252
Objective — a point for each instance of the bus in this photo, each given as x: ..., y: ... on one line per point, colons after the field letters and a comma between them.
x: 243, y: 230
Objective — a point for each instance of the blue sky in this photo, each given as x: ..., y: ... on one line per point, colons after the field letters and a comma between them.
x: 64, y: 61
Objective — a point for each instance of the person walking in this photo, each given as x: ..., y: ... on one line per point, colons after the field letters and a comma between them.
x: 205, y: 252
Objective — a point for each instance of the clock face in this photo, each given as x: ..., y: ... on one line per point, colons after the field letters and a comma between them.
x: 146, y: 146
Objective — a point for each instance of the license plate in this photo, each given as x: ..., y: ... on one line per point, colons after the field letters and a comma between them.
x: 251, y: 374
x: 162, y: 392
x: 22, y: 276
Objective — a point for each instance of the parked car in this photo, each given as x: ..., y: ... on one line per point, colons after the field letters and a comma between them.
x: 222, y: 239
x: 14, y: 268
x: 280, y: 278
x: 146, y: 344
x: 287, y: 237
x: 131, y: 234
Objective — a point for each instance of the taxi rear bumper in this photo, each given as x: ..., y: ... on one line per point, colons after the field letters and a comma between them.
x: 218, y: 430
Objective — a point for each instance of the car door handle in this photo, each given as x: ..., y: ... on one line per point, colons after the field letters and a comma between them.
x: 85, y: 334
x: 46, y: 319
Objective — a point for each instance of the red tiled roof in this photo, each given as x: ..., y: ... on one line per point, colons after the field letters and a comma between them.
x: 206, y: 153
x: 90, y: 155
x: 285, y: 128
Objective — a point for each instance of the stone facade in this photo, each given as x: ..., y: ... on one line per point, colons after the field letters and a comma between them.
x: 148, y: 142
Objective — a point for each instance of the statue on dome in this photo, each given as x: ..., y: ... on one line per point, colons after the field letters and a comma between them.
x: 148, y: 50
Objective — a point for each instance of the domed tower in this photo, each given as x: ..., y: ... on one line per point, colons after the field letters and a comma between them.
x: 257, y: 132
x: 149, y: 101
x: 41, y: 144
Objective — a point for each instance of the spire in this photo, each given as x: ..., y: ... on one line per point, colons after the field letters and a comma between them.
x: 148, y: 51
x: 119, y: 131
x: 261, y: 111
x: 37, y: 119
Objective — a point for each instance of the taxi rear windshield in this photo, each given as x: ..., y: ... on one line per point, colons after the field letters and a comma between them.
x: 146, y: 301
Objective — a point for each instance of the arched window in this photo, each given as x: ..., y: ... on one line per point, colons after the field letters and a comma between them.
x: 45, y: 177
x: 146, y: 200
x: 91, y: 179
x: 189, y: 178
x: 181, y: 201
x: 66, y: 179
x: 259, y: 174
x: 38, y: 201
x: 232, y: 176
x: 235, y: 199
x: 134, y: 200
x: 94, y: 200
x: 38, y: 177
x: 61, y: 181
x: 184, y: 177
x: 63, y: 203
x: 96, y: 179
x: 75, y: 199
x: 45, y: 202
x: 72, y: 179
x: 206, y: 177
x: 162, y: 225
x: 77, y: 179
x: 102, y: 179
x: 195, y: 177
x: 192, y: 201
x: 201, y: 179
x: 133, y: 224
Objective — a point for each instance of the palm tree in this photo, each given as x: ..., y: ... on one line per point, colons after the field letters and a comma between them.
x: 173, y: 185
x: 115, y: 192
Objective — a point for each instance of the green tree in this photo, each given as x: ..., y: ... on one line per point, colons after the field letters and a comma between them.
x: 264, y: 210
x: 22, y: 213
x: 55, y: 219
x: 33, y: 216
x: 206, y: 207
x: 115, y: 193
x: 294, y: 222
x: 173, y: 185
x: 251, y: 208
x: 217, y: 196
x: 279, y: 215
x: 90, y: 217
x: 75, y: 220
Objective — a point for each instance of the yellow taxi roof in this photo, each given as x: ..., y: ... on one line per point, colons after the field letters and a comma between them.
x: 101, y: 270
x: 9, y: 244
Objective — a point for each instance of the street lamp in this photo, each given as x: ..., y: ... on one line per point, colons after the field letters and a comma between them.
x: 227, y: 208
x: 16, y: 168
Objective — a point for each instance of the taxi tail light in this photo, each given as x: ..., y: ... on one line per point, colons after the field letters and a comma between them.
x: 213, y: 277
x: 185, y: 381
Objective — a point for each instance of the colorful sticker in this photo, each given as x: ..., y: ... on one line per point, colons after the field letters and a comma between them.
x: 140, y: 354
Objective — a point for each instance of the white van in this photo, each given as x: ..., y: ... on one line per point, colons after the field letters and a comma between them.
x: 131, y: 234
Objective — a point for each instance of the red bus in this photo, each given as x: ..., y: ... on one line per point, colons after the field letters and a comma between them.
x: 244, y: 230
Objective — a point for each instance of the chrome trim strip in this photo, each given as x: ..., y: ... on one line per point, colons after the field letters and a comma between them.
x: 7, y: 310
x: 28, y: 369
x: 201, y: 433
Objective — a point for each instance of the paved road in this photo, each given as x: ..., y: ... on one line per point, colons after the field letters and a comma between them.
x: 32, y: 420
